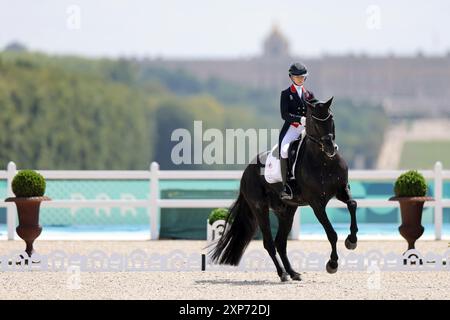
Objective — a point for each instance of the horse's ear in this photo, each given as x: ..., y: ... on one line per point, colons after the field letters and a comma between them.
x: 328, y: 103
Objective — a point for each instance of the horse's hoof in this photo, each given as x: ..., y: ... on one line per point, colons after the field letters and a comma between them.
x: 284, y: 277
x: 332, y: 266
x: 296, y: 277
x: 350, y: 245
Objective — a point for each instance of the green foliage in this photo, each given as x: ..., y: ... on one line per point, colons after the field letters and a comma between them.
x: 28, y: 183
x: 66, y: 112
x: 54, y: 119
x: 218, y: 214
x: 424, y: 154
x: 359, y: 130
x: 410, y: 184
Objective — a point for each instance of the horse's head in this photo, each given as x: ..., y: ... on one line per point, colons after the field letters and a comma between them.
x: 320, y: 126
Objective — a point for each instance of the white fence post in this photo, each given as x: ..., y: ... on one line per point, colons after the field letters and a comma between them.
x: 11, y: 210
x: 154, y: 199
x: 438, y: 211
x: 295, y: 230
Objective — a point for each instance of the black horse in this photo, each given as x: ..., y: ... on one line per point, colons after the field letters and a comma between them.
x: 321, y: 174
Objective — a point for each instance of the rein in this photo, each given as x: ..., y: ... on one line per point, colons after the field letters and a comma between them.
x: 324, y: 119
x: 316, y: 141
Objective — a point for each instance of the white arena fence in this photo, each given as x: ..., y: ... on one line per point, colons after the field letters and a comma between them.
x: 154, y: 203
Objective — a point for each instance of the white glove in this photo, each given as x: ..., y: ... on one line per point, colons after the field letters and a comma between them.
x: 303, y: 121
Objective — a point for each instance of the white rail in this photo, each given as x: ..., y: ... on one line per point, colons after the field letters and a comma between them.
x: 154, y: 203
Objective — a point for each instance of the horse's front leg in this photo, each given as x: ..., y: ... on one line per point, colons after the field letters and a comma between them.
x: 285, y: 220
x: 319, y: 211
x: 344, y: 195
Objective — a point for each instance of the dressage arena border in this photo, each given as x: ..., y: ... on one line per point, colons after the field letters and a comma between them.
x: 252, y: 261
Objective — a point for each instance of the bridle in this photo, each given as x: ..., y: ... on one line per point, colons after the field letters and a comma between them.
x: 319, y: 141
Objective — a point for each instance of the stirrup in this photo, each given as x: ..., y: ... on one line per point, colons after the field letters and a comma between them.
x: 284, y: 194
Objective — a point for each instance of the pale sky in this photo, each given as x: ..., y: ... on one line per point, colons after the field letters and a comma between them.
x: 225, y: 29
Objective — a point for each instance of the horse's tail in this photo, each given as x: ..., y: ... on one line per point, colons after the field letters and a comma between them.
x: 239, y: 231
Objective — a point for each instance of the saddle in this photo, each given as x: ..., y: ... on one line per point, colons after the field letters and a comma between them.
x: 295, y: 151
x: 272, y: 161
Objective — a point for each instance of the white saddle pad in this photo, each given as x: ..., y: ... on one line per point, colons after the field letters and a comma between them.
x: 272, y: 171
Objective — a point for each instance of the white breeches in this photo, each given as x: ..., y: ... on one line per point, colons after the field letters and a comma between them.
x: 291, y: 134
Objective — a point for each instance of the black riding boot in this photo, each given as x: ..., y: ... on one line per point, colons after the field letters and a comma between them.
x: 286, y: 193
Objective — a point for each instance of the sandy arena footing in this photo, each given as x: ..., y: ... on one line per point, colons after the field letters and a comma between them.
x: 219, y: 284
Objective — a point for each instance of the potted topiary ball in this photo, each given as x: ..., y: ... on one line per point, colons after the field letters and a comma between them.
x: 219, y: 214
x: 29, y: 188
x: 410, y: 190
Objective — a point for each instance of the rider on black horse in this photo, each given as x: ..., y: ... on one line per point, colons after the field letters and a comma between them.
x: 293, y: 108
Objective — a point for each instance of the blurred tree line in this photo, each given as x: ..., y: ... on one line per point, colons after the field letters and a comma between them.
x: 66, y: 112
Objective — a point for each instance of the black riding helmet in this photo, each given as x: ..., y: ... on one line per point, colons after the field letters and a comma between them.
x: 298, y: 69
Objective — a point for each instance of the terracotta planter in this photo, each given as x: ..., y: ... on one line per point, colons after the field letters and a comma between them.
x: 411, y: 211
x: 28, y: 212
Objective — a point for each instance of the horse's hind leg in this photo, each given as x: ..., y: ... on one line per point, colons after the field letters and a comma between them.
x: 285, y: 219
x: 344, y: 195
x: 321, y: 215
x: 262, y: 215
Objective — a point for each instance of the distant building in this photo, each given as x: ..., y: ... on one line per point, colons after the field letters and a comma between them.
x: 276, y: 45
x: 15, y: 47
x: 405, y: 86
